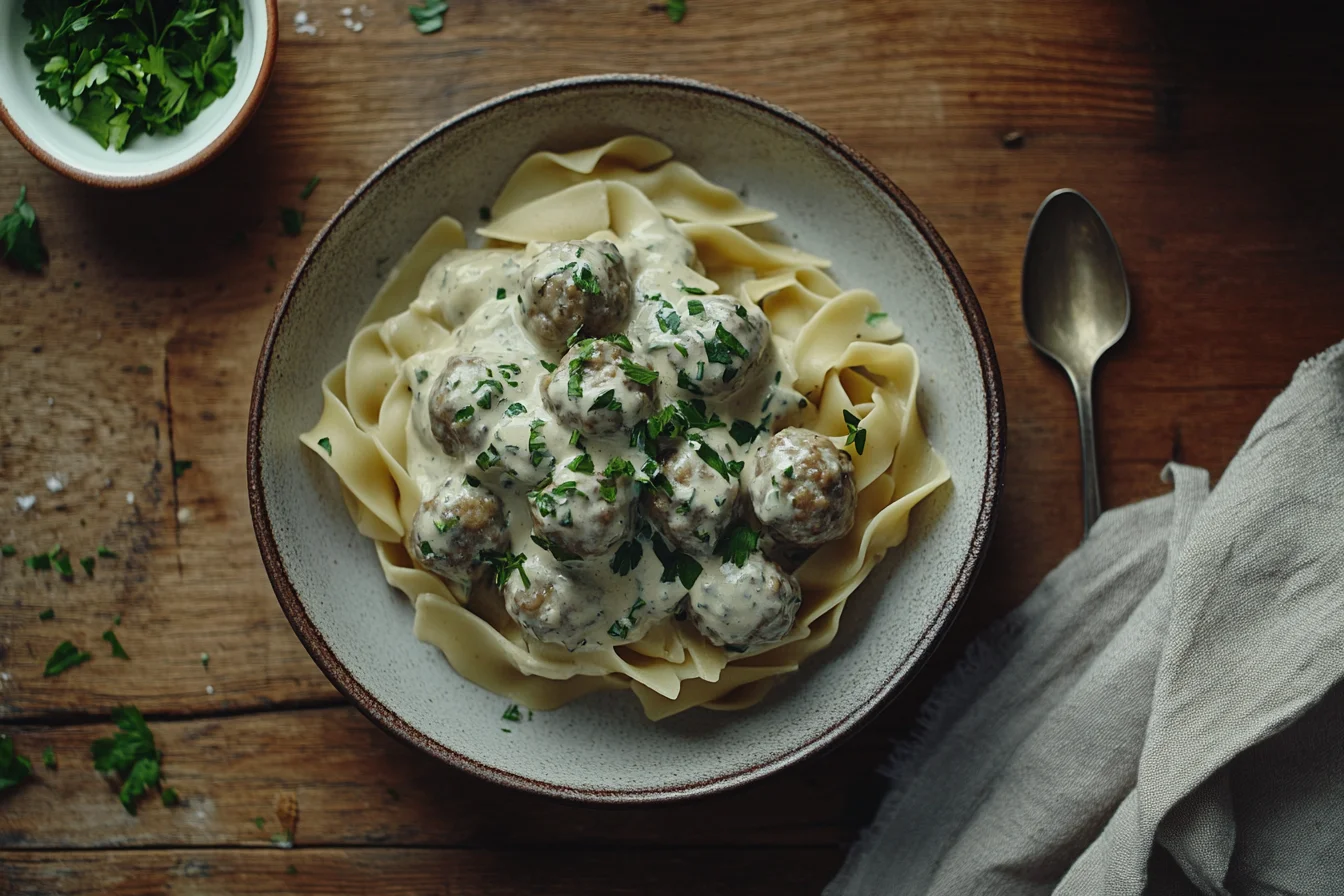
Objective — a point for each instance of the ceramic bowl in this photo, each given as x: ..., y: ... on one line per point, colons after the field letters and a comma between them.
x: 147, y: 160
x: 602, y: 748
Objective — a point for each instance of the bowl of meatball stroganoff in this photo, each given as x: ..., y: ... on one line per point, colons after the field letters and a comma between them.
x: 624, y: 416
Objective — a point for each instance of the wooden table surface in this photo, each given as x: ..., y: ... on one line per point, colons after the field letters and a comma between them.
x: 1207, y: 133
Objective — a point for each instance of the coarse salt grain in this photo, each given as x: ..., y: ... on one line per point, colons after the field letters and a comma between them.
x: 301, y: 17
x: 347, y: 11
x: 184, y: 515
x: 209, y: 689
x: 56, y: 482
x: 306, y: 29
x: 130, y: 497
x: 25, y: 502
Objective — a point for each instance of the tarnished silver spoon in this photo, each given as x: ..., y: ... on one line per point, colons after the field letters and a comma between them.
x: 1075, y: 303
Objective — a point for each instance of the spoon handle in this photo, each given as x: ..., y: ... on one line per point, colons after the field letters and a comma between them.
x: 1091, y: 490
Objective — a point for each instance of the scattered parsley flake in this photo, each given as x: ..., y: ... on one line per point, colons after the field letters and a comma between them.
x: 180, y: 467
x: 550, y: 368
x: 421, y: 376
x: 731, y: 342
x: 511, y: 714
x: 428, y: 19
x: 681, y: 349
x: 117, y: 650
x: 87, y: 563
x: 464, y: 414
x: 47, y: 614
x: 677, y: 565
x: 627, y: 557
x: 741, y: 312
x: 645, y: 376
x: 130, y: 753
x: 737, y: 544
x: 169, y: 797
x: 205, y: 661
x: 606, y: 400
x: 20, y: 243
x: 691, y: 290
x: 874, y: 316
x: 619, y: 339
x: 14, y: 768
x: 259, y: 822
x: 743, y: 433
x: 669, y: 321
x: 472, y: 481
x: 685, y: 382
x: 676, y: 10
x: 559, y: 553
x: 37, y: 561
x: 8, y: 550
x: 581, y: 464
x: 585, y: 280
x: 325, y: 444
x: 49, y: 757
x: 505, y: 563
x: 695, y: 306
x: 500, y: 294
x: 309, y: 187
x: 711, y: 457
x: 487, y: 459
x: 857, y: 436
x: 291, y: 221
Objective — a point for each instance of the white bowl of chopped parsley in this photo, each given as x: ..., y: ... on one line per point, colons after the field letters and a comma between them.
x: 132, y: 93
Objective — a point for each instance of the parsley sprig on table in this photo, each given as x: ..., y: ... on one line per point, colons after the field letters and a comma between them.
x: 130, y: 753
x: 129, y: 67
x: 19, y: 242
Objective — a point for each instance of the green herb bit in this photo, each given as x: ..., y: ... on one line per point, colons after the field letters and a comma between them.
x: 695, y: 306
x: 511, y: 714
x: 743, y: 433
x: 47, y: 614
x: 205, y: 660
x: 605, y: 400
x: 559, y: 553
x: 37, y: 562
x: 669, y: 321
x: 857, y: 436
x: 627, y: 557
x: 645, y: 376
x: 617, y: 467
x: 65, y: 656
x: 49, y: 758
x: 788, y: 472
x: 741, y: 312
x: 472, y: 481
x: 685, y: 382
x: 731, y: 342
x: 259, y: 822
x: 325, y: 444
x: 291, y: 221
x: 550, y: 368
x: 426, y: 550
x: 484, y: 213
x: 8, y: 550
x: 510, y: 369
x: 676, y: 10
x: 117, y: 650
x: 585, y: 280
x: 873, y: 317
x: 20, y: 244
x: 711, y: 457
x: 505, y: 563
x: 500, y: 294
x: 581, y: 464
x: 116, y: 620
x: 737, y: 544
x: 429, y: 18
x: 180, y: 467
x: 575, y: 439
x: 421, y: 376
x: 131, y: 753
x: 169, y: 797
x: 565, y: 489
x: 691, y: 290
x: 87, y: 563
x: 60, y: 559
x: 681, y: 349
x: 677, y: 565
x: 536, y: 444
x: 446, y: 524
x: 14, y: 768
x: 487, y: 458
x: 607, y: 490
x: 309, y: 187
x: 464, y: 414
x: 693, y: 412
x: 620, y: 339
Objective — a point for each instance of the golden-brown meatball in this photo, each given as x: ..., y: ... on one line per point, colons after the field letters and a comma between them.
x: 580, y: 286
x: 802, y: 487
x: 454, y: 412
x: 597, y: 388
x: 701, y: 504
x: 454, y: 525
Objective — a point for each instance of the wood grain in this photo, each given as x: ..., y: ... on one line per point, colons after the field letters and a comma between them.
x: 1205, y: 132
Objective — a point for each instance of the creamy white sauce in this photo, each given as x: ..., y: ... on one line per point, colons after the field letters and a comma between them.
x: 479, y: 294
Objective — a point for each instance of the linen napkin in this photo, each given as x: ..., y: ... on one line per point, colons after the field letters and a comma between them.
x: 1165, y: 713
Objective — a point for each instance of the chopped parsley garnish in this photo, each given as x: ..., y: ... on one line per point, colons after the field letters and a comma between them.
x: 729, y: 340
x: 65, y: 656
x: 117, y: 650
x: 19, y: 242
x: 690, y: 290
x: 645, y: 376
x: 426, y: 551
x: 483, y: 213
x: 617, y: 467
x: 557, y: 552
x: 309, y: 187
x: 685, y: 382
x: 491, y: 384
x: 669, y: 321
x: 676, y: 10
x: 123, y: 69
x: 324, y: 443
x: 87, y: 563
x: 291, y: 221
x: 180, y: 467
x: 737, y: 544
x: 487, y: 458
x: 49, y: 758
x: 695, y: 306
x: 512, y: 714
x: 536, y: 444
x: 8, y: 550
x: 606, y: 400
x: 444, y: 525
x: 741, y: 312
x: 744, y: 433
x: 550, y: 368
x: 565, y: 489
x: 37, y: 561
x: 505, y: 563
x: 788, y: 472
x: 681, y: 349
x: 607, y: 490
x: 585, y: 280
x: 472, y: 481
x: 421, y: 376
x: 106, y: 552
x: 711, y: 457
x: 485, y: 402
x: 500, y: 294
x: 677, y: 565
x: 14, y: 768
x: 464, y: 414
x: 874, y: 316
x: 581, y: 464
x: 169, y: 797
x: 131, y: 754
x: 699, y: 370
x: 46, y: 614
x: 693, y: 412
x: 428, y: 19
x: 627, y: 557
x: 60, y: 558
x: 857, y: 436
x: 510, y: 370
x: 621, y: 627
x: 205, y: 660
x: 619, y: 339
x: 515, y: 409
x: 545, y: 503
x: 575, y: 439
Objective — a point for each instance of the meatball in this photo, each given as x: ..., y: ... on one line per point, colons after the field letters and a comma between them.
x: 741, y: 607
x: 723, y: 340
x: 551, y: 606
x: 701, y: 504
x: 578, y: 286
x: 802, y: 488
x: 583, y: 514
x: 592, y: 389
x: 453, y: 527
x: 455, y: 400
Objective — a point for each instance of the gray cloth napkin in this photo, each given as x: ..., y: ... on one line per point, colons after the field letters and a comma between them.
x: 1165, y: 713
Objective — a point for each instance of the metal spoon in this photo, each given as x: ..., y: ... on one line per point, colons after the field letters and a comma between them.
x: 1075, y: 303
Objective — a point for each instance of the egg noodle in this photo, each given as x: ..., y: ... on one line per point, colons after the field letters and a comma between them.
x: 841, y: 350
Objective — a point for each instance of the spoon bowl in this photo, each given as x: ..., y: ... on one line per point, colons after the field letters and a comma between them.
x: 1075, y: 304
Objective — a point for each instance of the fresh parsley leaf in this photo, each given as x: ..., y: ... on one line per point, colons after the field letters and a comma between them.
x: 685, y: 382
x: 180, y: 467
x: 606, y: 400
x: 511, y: 714
x: 857, y: 436
x: 645, y: 376
x: 87, y: 563
x: 585, y: 280
x: 743, y: 433
x: 107, y: 552
x: 515, y: 409
x: 621, y: 627
x: 607, y: 490
x: 464, y: 414
x: 737, y: 544
x: 575, y: 439
x: 49, y: 757
x: 788, y: 472
x: 731, y: 342
x: 627, y: 557
x: 677, y: 565
x: 117, y: 650
x: 47, y: 614
x: 205, y: 660
x: 693, y: 412
x: 324, y: 443
x: 873, y: 317
x: 259, y: 822
x: 681, y: 349
x: 537, y: 445
x: 505, y: 563
x: 695, y: 306
x: 691, y: 290
x: 557, y: 552
x: 472, y: 481
x: 14, y: 768
x: 619, y: 339
x: 169, y: 797
x: 676, y: 10
x: 8, y: 550
x: 617, y: 467
x: 60, y: 559
x: 421, y: 376
x: 20, y: 243
x: 65, y: 656
x: 581, y: 464
x: 669, y: 321
x: 741, y: 312
x: 291, y: 221
x: 131, y: 753
x: 711, y: 457
x: 487, y: 458
x: 37, y: 561
x: 500, y: 294
x: 550, y: 368
x: 309, y: 187
x: 428, y: 19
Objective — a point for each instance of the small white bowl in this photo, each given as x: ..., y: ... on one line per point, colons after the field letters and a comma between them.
x: 602, y: 748
x: 147, y: 160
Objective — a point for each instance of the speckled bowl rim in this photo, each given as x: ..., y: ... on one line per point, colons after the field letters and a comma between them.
x: 181, y: 169
x: 902, y: 672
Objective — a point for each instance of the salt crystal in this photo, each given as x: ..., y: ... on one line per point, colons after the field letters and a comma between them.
x: 25, y: 502
x: 130, y: 497
x: 347, y: 11
x: 306, y: 29
x: 209, y: 689
x: 365, y: 11
x: 107, y: 483
x: 354, y: 26
x: 184, y: 515
x: 56, y: 482
x: 4, y: 676
x: 51, y: 402
x: 301, y: 18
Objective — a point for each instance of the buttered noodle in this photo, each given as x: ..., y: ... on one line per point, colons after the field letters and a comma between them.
x: 830, y: 357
